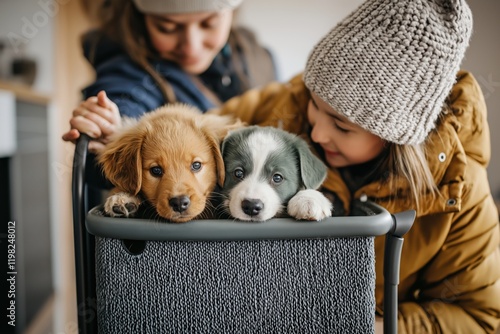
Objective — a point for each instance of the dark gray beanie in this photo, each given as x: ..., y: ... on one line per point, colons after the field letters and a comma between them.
x: 390, y: 65
x: 184, y: 6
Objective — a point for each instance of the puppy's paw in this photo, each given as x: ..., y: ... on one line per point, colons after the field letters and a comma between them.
x: 121, y: 205
x: 309, y: 204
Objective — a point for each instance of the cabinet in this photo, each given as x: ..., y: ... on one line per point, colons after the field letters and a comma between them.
x: 25, y: 187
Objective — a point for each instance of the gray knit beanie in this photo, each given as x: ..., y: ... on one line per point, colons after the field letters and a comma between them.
x: 390, y: 65
x: 184, y: 6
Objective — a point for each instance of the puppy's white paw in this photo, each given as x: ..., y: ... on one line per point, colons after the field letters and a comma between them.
x: 309, y: 204
x: 121, y: 205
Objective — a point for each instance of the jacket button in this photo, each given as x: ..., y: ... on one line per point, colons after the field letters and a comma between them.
x: 451, y: 202
x: 442, y: 157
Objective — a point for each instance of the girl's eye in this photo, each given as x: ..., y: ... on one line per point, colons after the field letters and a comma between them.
x: 210, y: 23
x: 156, y: 171
x: 239, y: 173
x: 196, y: 166
x: 277, y: 178
x: 341, y: 129
x: 166, y: 29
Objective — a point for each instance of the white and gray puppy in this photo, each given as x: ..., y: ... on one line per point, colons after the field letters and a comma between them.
x: 270, y: 172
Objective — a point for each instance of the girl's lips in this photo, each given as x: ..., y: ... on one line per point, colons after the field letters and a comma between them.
x: 188, y: 61
x: 185, y: 60
x: 331, y: 153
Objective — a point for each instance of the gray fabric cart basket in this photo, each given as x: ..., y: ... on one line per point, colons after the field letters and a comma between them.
x: 270, y: 286
x: 216, y: 276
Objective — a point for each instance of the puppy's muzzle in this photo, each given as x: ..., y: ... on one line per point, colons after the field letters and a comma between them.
x: 180, y: 203
x: 252, y: 207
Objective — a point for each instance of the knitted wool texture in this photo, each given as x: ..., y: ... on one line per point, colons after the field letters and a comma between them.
x: 390, y: 65
x: 184, y: 6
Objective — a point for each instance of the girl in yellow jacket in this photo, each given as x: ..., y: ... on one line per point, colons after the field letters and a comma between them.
x: 375, y: 103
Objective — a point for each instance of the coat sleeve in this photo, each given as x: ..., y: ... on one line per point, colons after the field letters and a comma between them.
x: 131, y: 89
x: 459, y: 289
x: 461, y: 286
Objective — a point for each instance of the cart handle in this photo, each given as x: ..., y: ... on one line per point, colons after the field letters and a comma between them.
x: 403, y: 221
x: 84, y: 260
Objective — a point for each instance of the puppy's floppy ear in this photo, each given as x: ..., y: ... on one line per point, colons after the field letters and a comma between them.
x: 219, y: 163
x: 220, y: 125
x: 216, y: 128
x: 312, y: 169
x: 121, y: 160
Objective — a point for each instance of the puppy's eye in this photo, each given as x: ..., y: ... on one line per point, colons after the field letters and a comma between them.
x: 196, y: 166
x: 156, y: 171
x: 277, y: 178
x: 239, y: 173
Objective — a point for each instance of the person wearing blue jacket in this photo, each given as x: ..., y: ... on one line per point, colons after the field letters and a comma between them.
x: 147, y: 53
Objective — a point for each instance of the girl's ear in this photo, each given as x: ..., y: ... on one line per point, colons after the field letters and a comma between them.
x: 312, y: 169
x: 121, y: 160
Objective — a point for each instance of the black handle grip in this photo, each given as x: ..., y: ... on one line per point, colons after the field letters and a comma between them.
x: 83, y: 241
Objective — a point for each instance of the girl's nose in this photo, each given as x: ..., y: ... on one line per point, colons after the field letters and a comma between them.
x: 319, y: 134
x: 192, y: 41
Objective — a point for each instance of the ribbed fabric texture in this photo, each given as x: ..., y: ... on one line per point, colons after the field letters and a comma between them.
x: 277, y: 286
x: 390, y: 65
x: 184, y: 6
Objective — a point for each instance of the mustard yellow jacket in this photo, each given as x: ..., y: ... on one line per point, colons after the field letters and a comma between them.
x: 450, y: 265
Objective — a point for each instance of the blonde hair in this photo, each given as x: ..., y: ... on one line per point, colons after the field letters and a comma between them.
x: 409, y: 162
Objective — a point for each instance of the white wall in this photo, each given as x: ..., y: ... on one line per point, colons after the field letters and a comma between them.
x: 290, y: 28
x: 483, y: 60
x: 27, y: 27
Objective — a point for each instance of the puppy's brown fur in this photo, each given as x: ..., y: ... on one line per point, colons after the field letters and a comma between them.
x: 171, y: 158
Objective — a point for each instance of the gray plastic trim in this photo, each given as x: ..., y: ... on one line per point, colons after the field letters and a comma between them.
x: 380, y: 223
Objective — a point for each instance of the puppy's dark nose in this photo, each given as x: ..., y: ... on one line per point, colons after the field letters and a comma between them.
x: 180, y: 203
x: 252, y: 207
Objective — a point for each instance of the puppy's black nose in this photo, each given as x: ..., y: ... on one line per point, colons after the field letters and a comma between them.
x: 252, y: 207
x: 180, y: 203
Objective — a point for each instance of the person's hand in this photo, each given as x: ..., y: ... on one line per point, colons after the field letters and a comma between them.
x: 97, y: 117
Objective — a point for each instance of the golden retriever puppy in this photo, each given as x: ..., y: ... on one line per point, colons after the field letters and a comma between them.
x: 170, y: 158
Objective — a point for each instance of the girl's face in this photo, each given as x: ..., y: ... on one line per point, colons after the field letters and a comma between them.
x: 344, y: 142
x: 190, y: 40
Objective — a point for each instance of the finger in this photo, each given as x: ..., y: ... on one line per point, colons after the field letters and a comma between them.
x: 106, y: 128
x: 72, y: 135
x: 84, y: 125
x: 86, y: 107
x: 104, y: 101
x: 92, y: 99
x: 96, y: 146
x: 89, y: 106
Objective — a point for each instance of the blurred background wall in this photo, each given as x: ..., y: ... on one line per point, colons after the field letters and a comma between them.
x: 46, y: 32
